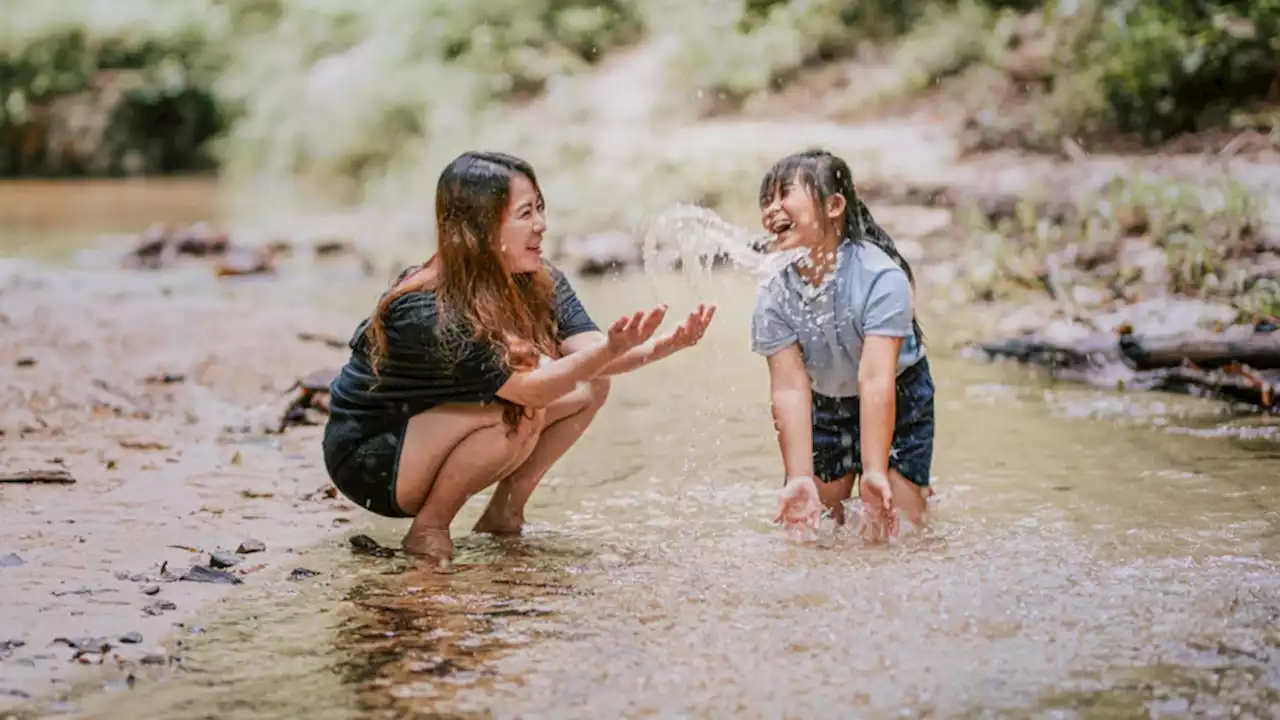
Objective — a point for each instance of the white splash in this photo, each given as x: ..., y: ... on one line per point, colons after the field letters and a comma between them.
x: 699, y: 237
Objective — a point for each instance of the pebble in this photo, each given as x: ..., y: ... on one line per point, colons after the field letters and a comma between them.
x: 158, y: 607
x: 222, y: 559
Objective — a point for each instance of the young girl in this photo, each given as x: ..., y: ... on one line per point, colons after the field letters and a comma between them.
x: 851, y: 391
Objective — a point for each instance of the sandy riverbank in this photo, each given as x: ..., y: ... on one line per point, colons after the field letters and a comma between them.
x: 140, y: 386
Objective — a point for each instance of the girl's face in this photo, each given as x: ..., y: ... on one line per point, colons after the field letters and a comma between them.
x: 795, y: 218
x: 523, y: 224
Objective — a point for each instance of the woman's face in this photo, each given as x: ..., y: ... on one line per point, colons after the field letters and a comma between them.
x: 520, y: 237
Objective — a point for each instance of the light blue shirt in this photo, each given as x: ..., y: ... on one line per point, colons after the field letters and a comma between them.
x: 866, y: 294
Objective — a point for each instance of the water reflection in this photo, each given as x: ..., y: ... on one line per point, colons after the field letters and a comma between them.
x: 417, y: 635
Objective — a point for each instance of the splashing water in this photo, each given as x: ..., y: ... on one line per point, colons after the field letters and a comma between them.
x: 699, y: 238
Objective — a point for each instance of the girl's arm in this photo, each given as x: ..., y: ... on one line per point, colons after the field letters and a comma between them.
x: 877, y: 396
x: 886, y: 323
x: 791, y: 401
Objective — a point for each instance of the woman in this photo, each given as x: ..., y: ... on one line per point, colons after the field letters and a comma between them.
x: 851, y: 388
x: 478, y: 367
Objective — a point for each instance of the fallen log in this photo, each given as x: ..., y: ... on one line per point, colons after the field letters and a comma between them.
x: 1237, y: 383
x: 44, y: 475
x: 1096, y: 349
x: 1096, y: 362
x: 1259, y: 350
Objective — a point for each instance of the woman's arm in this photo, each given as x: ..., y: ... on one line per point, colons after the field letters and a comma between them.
x: 686, y: 335
x: 539, y: 388
x: 791, y: 400
x: 877, y: 396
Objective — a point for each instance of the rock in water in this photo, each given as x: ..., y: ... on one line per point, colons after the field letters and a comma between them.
x: 222, y: 559
x: 199, y: 573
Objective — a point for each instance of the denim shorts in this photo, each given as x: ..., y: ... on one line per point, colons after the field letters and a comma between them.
x: 363, y: 464
x: 837, y: 441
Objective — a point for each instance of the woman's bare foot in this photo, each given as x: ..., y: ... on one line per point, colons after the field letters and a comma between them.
x: 430, y: 543
x: 494, y: 523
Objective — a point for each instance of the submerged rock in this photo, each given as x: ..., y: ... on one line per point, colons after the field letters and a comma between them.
x: 222, y: 559
x: 161, y: 246
x: 159, y: 607
x: 601, y: 253
x: 365, y: 545
x: 85, y: 645
x: 248, y: 547
x: 199, y: 573
x: 310, y: 404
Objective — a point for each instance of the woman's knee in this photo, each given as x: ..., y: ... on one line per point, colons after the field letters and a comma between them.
x: 597, y: 393
x: 531, y: 425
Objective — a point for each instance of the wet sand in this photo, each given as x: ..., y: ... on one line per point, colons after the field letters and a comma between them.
x: 165, y: 471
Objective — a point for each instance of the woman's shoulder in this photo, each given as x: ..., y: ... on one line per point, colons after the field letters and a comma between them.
x: 414, y: 306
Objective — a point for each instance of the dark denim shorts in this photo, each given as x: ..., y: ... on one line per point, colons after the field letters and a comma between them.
x: 363, y: 464
x: 837, y: 442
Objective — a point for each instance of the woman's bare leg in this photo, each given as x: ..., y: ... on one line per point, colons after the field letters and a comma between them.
x: 449, y: 454
x: 566, y: 420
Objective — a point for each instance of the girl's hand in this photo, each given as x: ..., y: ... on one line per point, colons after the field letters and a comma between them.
x: 632, y: 330
x: 688, y: 333
x: 799, y: 506
x: 879, y: 519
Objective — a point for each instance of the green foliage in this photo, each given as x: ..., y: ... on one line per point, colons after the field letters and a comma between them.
x: 87, y: 91
x: 736, y: 47
x: 1170, y: 67
x: 324, y: 85
x: 387, y: 74
x: 1141, y: 68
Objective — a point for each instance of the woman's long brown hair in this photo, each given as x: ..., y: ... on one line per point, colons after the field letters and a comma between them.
x: 476, y: 297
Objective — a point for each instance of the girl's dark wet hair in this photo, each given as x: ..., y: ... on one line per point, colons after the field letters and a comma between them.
x: 826, y: 175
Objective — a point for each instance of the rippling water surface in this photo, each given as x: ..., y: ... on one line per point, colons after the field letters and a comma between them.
x: 1084, y: 562
x: 1092, y: 555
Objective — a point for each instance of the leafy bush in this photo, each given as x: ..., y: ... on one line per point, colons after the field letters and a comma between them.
x: 733, y: 49
x: 1146, y: 69
x: 91, y: 89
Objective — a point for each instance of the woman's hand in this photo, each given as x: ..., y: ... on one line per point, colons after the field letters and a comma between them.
x: 632, y: 330
x: 799, y: 507
x: 688, y: 333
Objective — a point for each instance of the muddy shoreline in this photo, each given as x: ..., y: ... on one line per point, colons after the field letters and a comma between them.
x: 155, y: 393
